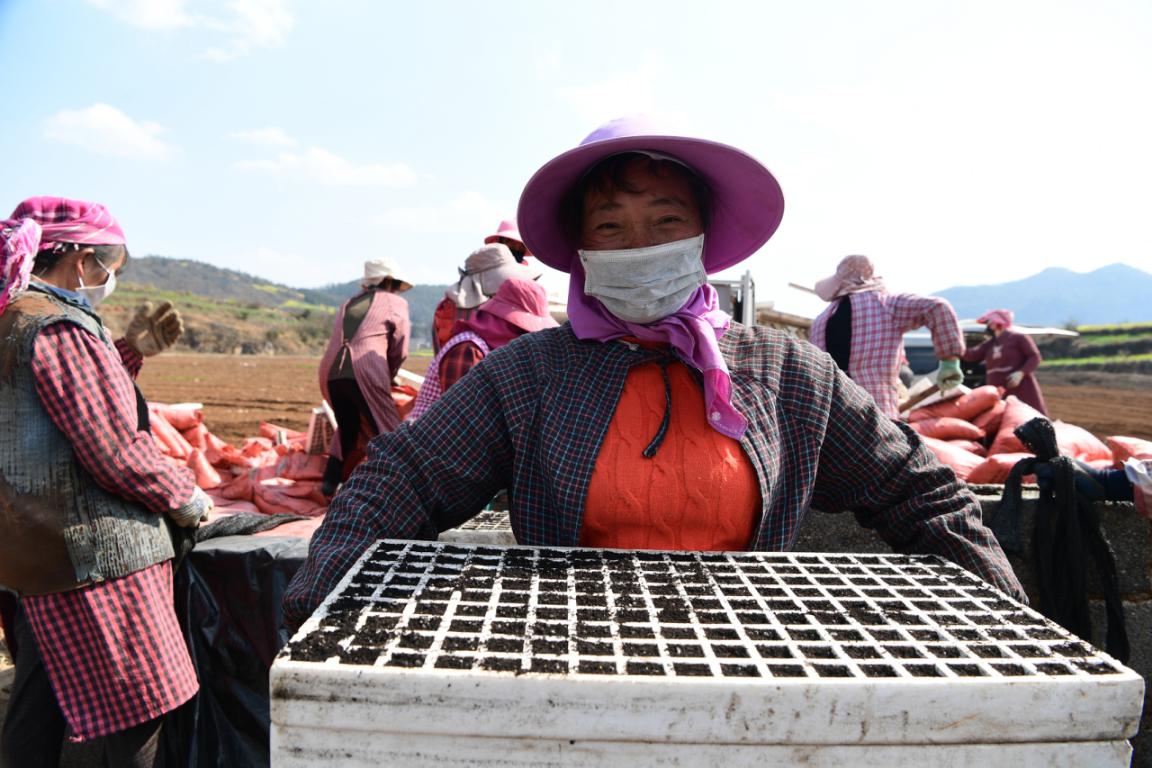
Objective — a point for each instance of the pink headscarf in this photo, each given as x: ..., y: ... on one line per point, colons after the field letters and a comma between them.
x: 997, y: 318
x: 38, y: 224
x: 694, y: 331
x: 854, y: 274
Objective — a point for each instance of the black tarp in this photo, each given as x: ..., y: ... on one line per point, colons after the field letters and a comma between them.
x: 228, y: 597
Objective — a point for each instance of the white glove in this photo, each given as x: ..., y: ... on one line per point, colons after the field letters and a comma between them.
x: 1014, y: 379
x: 195, y: 511
x: 151, y: 332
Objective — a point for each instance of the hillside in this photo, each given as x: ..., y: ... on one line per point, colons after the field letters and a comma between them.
x: 229, y: 311
x: 1125, y: 348
x: 1117, y: 293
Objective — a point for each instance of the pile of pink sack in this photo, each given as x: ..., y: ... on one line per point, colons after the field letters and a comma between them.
x: 973, y: 434
x: 271, y: 473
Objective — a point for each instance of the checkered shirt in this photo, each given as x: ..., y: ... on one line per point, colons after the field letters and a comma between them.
x: 113, y: 651
x: 432, y: 388
x: 88, y: 393
x: 531, y: 416
x: 879, y: 322
x: 457, y: 362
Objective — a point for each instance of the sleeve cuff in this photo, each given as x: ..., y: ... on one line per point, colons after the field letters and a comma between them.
x: 132, y: 359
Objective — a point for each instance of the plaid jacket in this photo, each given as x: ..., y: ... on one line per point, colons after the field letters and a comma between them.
x: 879, y: 322
x: 530, y: 417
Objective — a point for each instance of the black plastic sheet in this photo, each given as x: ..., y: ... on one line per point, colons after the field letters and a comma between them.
x: 228, y: 597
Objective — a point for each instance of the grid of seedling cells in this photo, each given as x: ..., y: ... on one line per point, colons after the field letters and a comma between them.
x: 488, y: 520
x: 524, y: 611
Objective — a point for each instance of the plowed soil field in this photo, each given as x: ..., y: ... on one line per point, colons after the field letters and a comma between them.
x: 240, y: 391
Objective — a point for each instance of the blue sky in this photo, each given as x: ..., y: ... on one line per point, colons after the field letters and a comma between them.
x: 955, y: 143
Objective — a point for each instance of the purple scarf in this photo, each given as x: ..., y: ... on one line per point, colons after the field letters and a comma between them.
x: 693, y: 331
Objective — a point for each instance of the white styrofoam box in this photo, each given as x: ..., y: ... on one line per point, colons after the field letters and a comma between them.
x: 489, y: 527
x: 529, y: 654
x: 304, y: 748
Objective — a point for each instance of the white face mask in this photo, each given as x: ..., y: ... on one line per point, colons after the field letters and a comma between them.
x: 642, y: 285
x: 97, y: 293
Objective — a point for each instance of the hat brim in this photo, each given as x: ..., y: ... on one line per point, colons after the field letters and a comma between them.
x: 527, y: 321
x: 474, y: 290
x: 404, y: 285
x: 827, y: 287
x: 747, y: 203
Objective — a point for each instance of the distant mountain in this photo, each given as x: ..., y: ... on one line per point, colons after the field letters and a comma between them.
x: 299, y: 318
x: 211, y: 282
x: 1116, y: 293
x: 227, y: 285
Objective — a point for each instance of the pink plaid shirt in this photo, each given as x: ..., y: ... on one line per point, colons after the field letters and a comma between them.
x: 113, y: 650
x: 879, y: 322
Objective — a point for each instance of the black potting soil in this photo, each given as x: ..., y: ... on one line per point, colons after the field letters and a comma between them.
x: 643, y: 668
x: 833, y: 670
x: 524, y: 611
x: 862, y: 651
x: 641, y: 650
x: 505, y: 645
x: 549, y: 666
x: 925, y: 635
x: 549, y: 647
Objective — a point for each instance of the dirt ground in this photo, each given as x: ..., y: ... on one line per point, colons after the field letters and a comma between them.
x: 1103, y: 403
x: 239, y: 392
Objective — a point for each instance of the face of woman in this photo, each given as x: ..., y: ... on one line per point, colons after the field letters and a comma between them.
x: 663, y: 210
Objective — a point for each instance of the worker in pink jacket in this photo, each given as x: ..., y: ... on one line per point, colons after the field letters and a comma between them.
x: 1010, y: 358
x: 369, y: 343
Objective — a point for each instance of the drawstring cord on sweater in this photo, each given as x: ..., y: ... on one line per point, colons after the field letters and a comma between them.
x: 658, y: 439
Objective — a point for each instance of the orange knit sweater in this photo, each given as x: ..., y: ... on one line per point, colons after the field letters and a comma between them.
x: 699, y: 492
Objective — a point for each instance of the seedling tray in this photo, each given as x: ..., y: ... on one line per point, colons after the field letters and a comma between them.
x: 537, y: 655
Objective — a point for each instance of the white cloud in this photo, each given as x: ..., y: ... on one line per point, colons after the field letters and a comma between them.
x: 251, y: 24
x: 320, y: 165
x: 147, y: 14
x: 471, y: 212
x: 245, y: 25
x: 267, y: 136
x: 105, y: 130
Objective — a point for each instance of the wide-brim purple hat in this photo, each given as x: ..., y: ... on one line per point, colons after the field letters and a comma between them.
x: 746, y: 201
